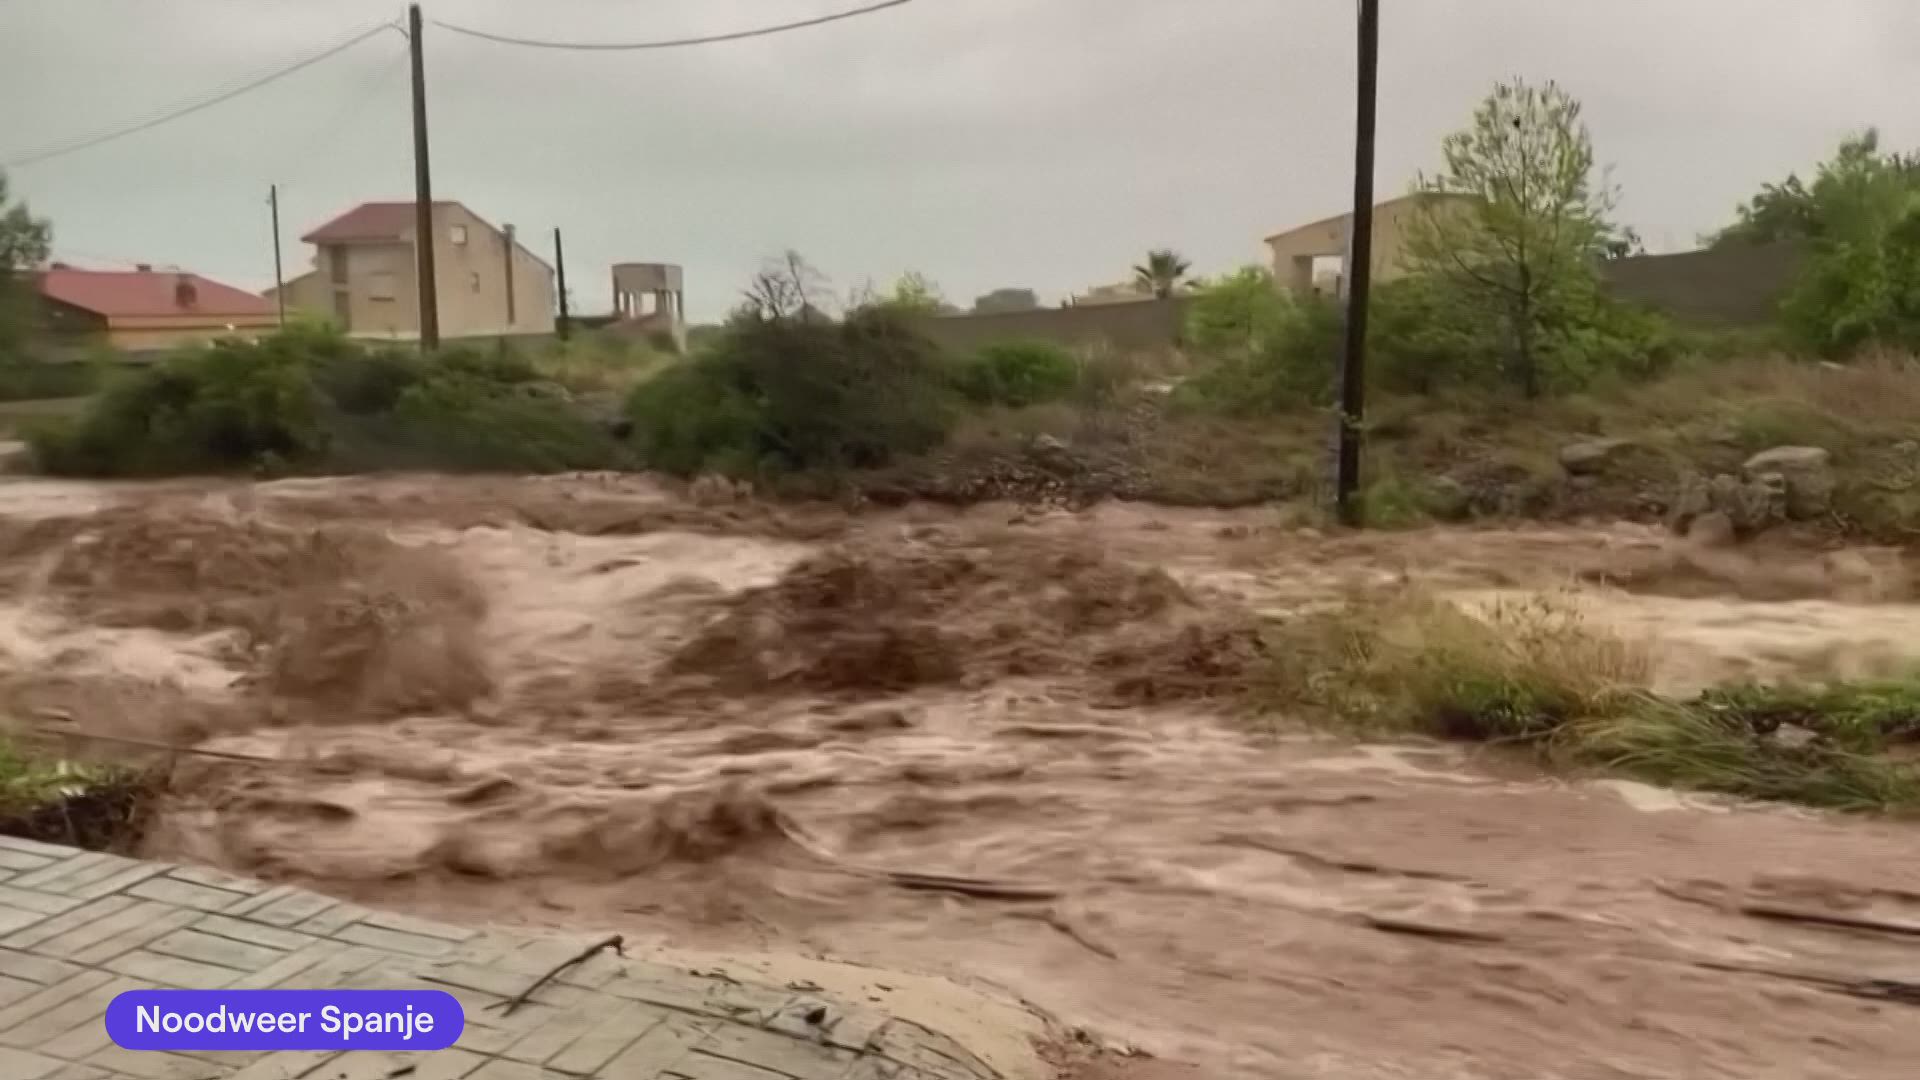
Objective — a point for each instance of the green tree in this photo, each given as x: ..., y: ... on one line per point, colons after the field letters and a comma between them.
x: 24, y: 244
x: 1162, y: 273
x: 1518, y: 223
x: 1861, y: 286
x: 915, y: 294
x: 1794, y: 210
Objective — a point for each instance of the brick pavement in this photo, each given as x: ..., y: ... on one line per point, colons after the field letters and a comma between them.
x: 78, y: 928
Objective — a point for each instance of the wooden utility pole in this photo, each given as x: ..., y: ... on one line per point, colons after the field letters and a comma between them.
x: 423, y: 233
x: 1359, y: 272
x: 279, y: 278
x: 511, y: 317
x: 565, y: 326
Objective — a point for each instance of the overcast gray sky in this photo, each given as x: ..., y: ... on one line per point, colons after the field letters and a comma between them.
x: 985, y: 143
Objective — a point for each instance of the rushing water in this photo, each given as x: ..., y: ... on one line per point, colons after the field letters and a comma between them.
x: 545, y: 702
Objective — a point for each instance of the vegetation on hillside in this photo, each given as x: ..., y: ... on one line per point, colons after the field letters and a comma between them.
x: 1536, y: 676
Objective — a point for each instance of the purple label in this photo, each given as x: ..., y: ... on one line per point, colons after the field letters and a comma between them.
x: 285, y: 1020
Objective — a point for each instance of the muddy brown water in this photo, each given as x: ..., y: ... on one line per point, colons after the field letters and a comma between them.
x: 586, y: 701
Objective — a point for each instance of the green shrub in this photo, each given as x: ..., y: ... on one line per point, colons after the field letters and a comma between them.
x: 1277, y: 369
x: 35, y: 380
x: 1018, y: 373
x: 785, y: 395
x: 230, y: 405
x: 1244, y: 313
x: 309, y: 398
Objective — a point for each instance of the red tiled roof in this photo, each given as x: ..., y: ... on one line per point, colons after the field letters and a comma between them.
x: 130, y: 293
x: 368, y: 221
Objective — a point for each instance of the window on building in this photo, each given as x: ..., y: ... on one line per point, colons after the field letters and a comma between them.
x: 380, y: 285
x: 474, y: 278
x: 458, y: 233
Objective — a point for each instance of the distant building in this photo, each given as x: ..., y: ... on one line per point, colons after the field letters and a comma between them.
x: 1002, y: 300
x: 365, y: 278
x: 1124, y: 292
x: 146, y: 308
x: 649, y: 300
x: 1311, y: 258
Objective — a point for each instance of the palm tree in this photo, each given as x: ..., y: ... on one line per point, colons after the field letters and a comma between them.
x: 1162, y: 272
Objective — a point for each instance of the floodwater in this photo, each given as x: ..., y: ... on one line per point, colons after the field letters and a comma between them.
x: 983, y: 744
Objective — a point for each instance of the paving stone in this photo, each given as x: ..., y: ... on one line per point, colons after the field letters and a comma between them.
x: 661, y: 1048
x: 774, y: 1051
x: 172, y: 971
x: 217, y: 879
x: 87, y: 1008
x: 18, y: 1013
x: 272, y: 937
x: 394, y: 940
x: 228, y: 1060
x: 78, y: 1072
x: 113, y: 883
x: 281, y: 906
x: 38, y: 969
x: 289, y: 970
x: 849, y: 1029
x: 149, y: 1064
x: 407, y: 924
x: 658, y: 985
x: 514, y: 1070
x: 452, y: 1064
x: 60, y: 924
x: 171, y: 890
x: 288, y: 1065
x: 78, y: 1042
x: 36, y: 847
x: 699, y: 1066
x: 156, y: 925
x: 209, y: 949
x: 333, y: 918
x: 341, y: 969
x: 936, y: 1055
x: 23, y: 1065
x: 21, y: 860
x: 620, y: 1028
x: 547, y: 1040
x: 117, y: 932
x: 68, y: 874
x: 46, y: 903
x: 13, y: 918
x: 489, y: 980
x: 13, y: 989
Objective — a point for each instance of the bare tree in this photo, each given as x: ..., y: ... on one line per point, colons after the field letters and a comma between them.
x: 788, y: 287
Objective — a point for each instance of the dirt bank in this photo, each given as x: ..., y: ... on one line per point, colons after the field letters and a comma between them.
x: 983, y: 742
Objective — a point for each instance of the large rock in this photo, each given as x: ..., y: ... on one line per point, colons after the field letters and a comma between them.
x: 1805, y: 471
x: 1592, y: 455
x: 1749, y: 505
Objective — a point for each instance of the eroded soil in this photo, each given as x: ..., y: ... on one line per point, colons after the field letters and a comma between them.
x: 991, y: 744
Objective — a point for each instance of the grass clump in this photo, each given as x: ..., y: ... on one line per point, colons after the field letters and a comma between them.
x: 1534, y: 674
x: 93, y: 806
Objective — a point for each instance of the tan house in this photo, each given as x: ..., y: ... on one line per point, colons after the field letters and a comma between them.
x: 364, y: 277
x: 1298, y: 253
x: 146, y: 309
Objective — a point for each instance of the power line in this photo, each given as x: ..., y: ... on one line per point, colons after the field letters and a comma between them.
x: 323, y: 139
x: 87, y: 143
x: 672, y: 43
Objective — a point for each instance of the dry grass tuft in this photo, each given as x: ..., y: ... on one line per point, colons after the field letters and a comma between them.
x: 1535, y: 673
